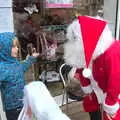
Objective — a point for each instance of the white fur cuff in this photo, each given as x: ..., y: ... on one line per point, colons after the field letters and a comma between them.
x: 87, y: 89
x: 111, y: 109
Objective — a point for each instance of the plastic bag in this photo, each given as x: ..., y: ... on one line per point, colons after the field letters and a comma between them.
x: 25, y: 114
x: 42, y: 104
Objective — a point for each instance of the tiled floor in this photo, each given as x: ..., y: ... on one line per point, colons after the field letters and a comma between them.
x: 74, y: 111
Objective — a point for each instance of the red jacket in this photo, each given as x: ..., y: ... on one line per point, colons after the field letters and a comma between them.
x: 106, y: 73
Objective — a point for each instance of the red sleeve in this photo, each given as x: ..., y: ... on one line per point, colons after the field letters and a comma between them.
x: 85, y: 82
x: 111, y: 104
x: 90, y: 102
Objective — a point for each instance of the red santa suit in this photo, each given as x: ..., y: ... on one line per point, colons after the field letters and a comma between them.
x: 95, y: 49
x: 106, y: 72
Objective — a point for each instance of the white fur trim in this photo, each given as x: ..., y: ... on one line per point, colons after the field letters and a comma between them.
x: 111, y: 109
x: 98, y: 91
x: 87, y: 72
x: 119, y: 96
x: 87, y: 89
x: 106, y: 39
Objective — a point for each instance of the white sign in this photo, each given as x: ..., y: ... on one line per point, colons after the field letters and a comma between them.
x: 59, y: 3
x: 6, y: 20
x: 5, y: 3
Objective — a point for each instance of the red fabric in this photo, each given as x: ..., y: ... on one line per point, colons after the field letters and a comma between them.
x: 106, y: 71
x: 90, y: 34
x: 90, y: 103
x: 84, y: 81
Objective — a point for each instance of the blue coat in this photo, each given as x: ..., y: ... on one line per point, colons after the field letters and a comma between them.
x: 11, y: 73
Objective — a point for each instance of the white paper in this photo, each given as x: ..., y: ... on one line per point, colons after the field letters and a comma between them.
x: 5, y: 3
x: 59, y: 1
x: 6, y: 20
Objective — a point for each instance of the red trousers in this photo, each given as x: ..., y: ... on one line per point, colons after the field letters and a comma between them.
x: 90, y: 103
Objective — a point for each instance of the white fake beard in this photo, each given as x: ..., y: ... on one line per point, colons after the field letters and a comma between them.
x: 73, y: 49
x: 73, y: 54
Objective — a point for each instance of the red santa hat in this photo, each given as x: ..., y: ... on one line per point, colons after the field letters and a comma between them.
x: 91, y: 30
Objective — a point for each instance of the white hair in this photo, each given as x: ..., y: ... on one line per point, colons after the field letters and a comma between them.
x: 74, y: 50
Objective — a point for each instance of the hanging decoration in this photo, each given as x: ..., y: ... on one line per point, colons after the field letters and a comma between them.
x: 31, y: 9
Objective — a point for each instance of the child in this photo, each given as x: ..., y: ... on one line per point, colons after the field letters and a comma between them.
x: 12, y: 74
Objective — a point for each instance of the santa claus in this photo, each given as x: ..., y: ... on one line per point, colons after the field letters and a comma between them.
x: 95, y: 54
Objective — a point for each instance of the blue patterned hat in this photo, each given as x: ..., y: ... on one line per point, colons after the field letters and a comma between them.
x: 6, y: 41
